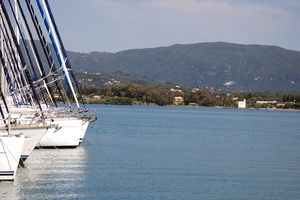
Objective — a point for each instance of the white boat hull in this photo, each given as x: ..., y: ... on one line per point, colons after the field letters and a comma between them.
x: 86, y: 120
x: 66, y: 137
x: 10, y: 152
x: 33, y: 135
x: 84, y: 126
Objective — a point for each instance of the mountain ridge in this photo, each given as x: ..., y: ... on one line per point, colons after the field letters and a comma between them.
x: 211, y: 64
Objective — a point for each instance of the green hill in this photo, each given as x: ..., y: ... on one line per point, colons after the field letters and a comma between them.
x: 218, y: 65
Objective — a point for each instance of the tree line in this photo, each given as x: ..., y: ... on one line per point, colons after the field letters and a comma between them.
x: 128, y: 94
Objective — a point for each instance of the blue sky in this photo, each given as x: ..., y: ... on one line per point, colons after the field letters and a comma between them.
x: 116, y: 25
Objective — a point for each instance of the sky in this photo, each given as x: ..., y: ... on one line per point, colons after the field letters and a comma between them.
x: 117, y: 25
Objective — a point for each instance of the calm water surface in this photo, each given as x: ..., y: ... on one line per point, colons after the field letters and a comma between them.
x: 170, y: 153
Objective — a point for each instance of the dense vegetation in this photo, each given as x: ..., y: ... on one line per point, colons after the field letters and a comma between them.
x: 133, y: 94
x: 219, y: 65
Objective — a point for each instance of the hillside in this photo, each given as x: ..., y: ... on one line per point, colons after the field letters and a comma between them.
x: 112, y: 78
x: 219, y: 65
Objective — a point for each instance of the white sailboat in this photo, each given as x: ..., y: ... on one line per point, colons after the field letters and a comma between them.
x: 86, y: 120
x: 33, y: 135
x: 65, y: 65
x: 33, y: 130
x: 66, y: 137
x: 24, y: 90
x: 10, y: 151
x: 60, y: 127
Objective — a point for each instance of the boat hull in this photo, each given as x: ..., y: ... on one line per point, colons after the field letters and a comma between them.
x: 65, y: 137
x: 10, y: 152
x: 33, y: 135
x: 86, y: 120
x: 84, y: 126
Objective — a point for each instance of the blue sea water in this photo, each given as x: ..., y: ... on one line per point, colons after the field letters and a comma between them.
x: 137, y: 152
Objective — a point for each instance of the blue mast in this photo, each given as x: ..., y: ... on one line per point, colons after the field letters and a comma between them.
x: 53, y: 36
x: 68, y: 64
x: 46, y: 50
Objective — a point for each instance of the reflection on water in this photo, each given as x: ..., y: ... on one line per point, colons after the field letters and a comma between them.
x: 49, y: 173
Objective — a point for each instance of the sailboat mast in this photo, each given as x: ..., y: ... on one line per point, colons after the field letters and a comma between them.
x: 2, y: 48
x: 25, y: 68
x: 47, y: 52
x: 68, y: 64
x: 25, y: 42
x: 51, y: 31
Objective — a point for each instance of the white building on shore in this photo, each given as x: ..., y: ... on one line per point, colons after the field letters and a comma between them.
x: 242, y: 104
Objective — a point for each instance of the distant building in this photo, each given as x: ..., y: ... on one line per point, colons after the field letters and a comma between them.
x: 96, y: 97
x: 195, y: 89
x: 175, y: 90
x: 177, y: 100
x: 242, y: 104
x: 280, y: 105
x: 266, y: 102
x: 234, y: 98
x: 193, y: 105
x: 112, y: 82
x: 55, y: 95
